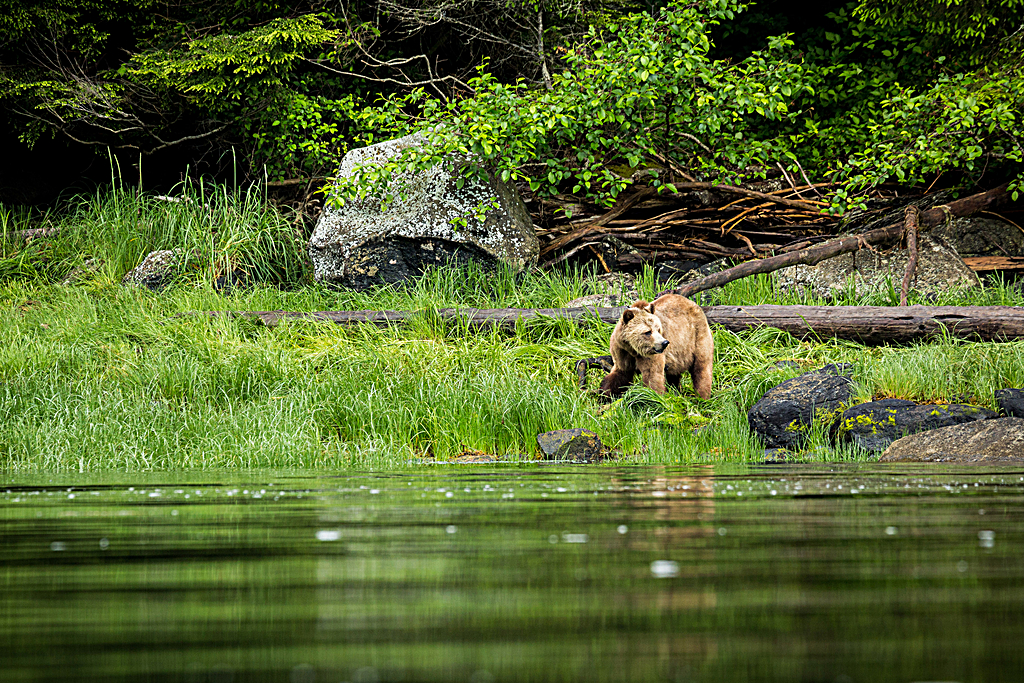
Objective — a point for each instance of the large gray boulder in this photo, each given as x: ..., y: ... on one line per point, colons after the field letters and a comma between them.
x: 986, y: 441
x: 359, y: 245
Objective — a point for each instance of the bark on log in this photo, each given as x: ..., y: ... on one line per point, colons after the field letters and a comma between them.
x: 877, y: 324
x: 934, y: 216
x: 866, y: 324
x: 991, y: 264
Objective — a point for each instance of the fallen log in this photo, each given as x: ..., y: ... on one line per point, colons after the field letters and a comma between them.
x: 813, y: 255
x: 866, y: 324
x: 992, y: 264
x: 877, y: 324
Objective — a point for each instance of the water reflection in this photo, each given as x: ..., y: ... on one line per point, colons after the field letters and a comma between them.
x: 464, y: 574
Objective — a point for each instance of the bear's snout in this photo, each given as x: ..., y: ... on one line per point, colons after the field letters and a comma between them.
x: 660, y: 348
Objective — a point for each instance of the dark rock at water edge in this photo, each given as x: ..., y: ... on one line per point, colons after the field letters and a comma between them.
x: 578, y: 445
x: 873, y: 426
x: 784, y: 415
x: 776, y: 456
x: 431, y: 222
x: 1011, y: 401
x: 983, y: 442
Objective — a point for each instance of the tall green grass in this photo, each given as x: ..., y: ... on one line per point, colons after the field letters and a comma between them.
x: 215, y: 231
x: 99, y: 376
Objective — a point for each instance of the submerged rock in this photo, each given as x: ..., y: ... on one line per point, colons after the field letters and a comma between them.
x: 571, y: 444
x: 990, y: 441
x: 776, y: 456
x: 874, y: 425
x: 784, y: 415
x: 359, y: 245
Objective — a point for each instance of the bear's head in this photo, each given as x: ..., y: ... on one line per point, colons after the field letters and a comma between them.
x: 641, y: 329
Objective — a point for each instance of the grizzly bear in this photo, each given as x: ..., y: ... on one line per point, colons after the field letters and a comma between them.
x: 661, y: 341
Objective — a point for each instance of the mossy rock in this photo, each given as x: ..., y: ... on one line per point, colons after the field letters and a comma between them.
x: 874, y: 425
x: 785, y: 414
x: 577, y: 445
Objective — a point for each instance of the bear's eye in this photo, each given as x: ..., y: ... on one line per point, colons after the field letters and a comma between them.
x: 647, y: 334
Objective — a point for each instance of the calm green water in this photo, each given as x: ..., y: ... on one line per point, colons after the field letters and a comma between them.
x: 791, y: 573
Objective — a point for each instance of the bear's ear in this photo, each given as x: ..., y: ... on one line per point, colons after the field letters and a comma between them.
x: 627, y: 315
x: 651, y: 307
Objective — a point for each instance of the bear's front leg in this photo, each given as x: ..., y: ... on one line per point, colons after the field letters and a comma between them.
x: 614, y: 385
x: 652, y: 372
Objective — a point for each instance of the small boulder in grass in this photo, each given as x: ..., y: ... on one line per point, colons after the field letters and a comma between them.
x: 159, y: 268
x: 577, y: 445
x: 1011, y: 401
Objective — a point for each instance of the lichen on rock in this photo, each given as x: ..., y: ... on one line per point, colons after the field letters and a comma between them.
x: 430, y: 221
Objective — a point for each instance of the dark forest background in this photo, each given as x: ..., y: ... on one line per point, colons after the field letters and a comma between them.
x: 566, y: 97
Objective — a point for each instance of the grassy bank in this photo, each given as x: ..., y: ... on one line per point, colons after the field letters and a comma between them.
x: 95, y: 375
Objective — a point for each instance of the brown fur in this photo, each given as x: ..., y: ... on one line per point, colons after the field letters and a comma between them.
x: 642, y: 331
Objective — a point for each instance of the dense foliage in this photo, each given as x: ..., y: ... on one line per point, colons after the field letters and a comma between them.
x: 568, y: 98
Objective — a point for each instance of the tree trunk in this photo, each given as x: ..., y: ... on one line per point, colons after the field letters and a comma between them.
x: 866, y: 324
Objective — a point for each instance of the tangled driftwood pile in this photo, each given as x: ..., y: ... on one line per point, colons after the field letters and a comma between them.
x: 693, y: 222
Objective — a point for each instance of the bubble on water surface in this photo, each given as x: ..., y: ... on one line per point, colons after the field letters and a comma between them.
x: 986, y: 538
x: 367, y: 674
x: 302, y: 673
x: 664, y: 569
x: 58, y: 546
x: 575, y: 538
x: 553, y: 538
x: 451, y: 528
x: 622, y: 529
x: 328, y: 535
x: 891, y: 531
x: 961, y: 566
x: 482, y: 676
x: 104, y: 544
